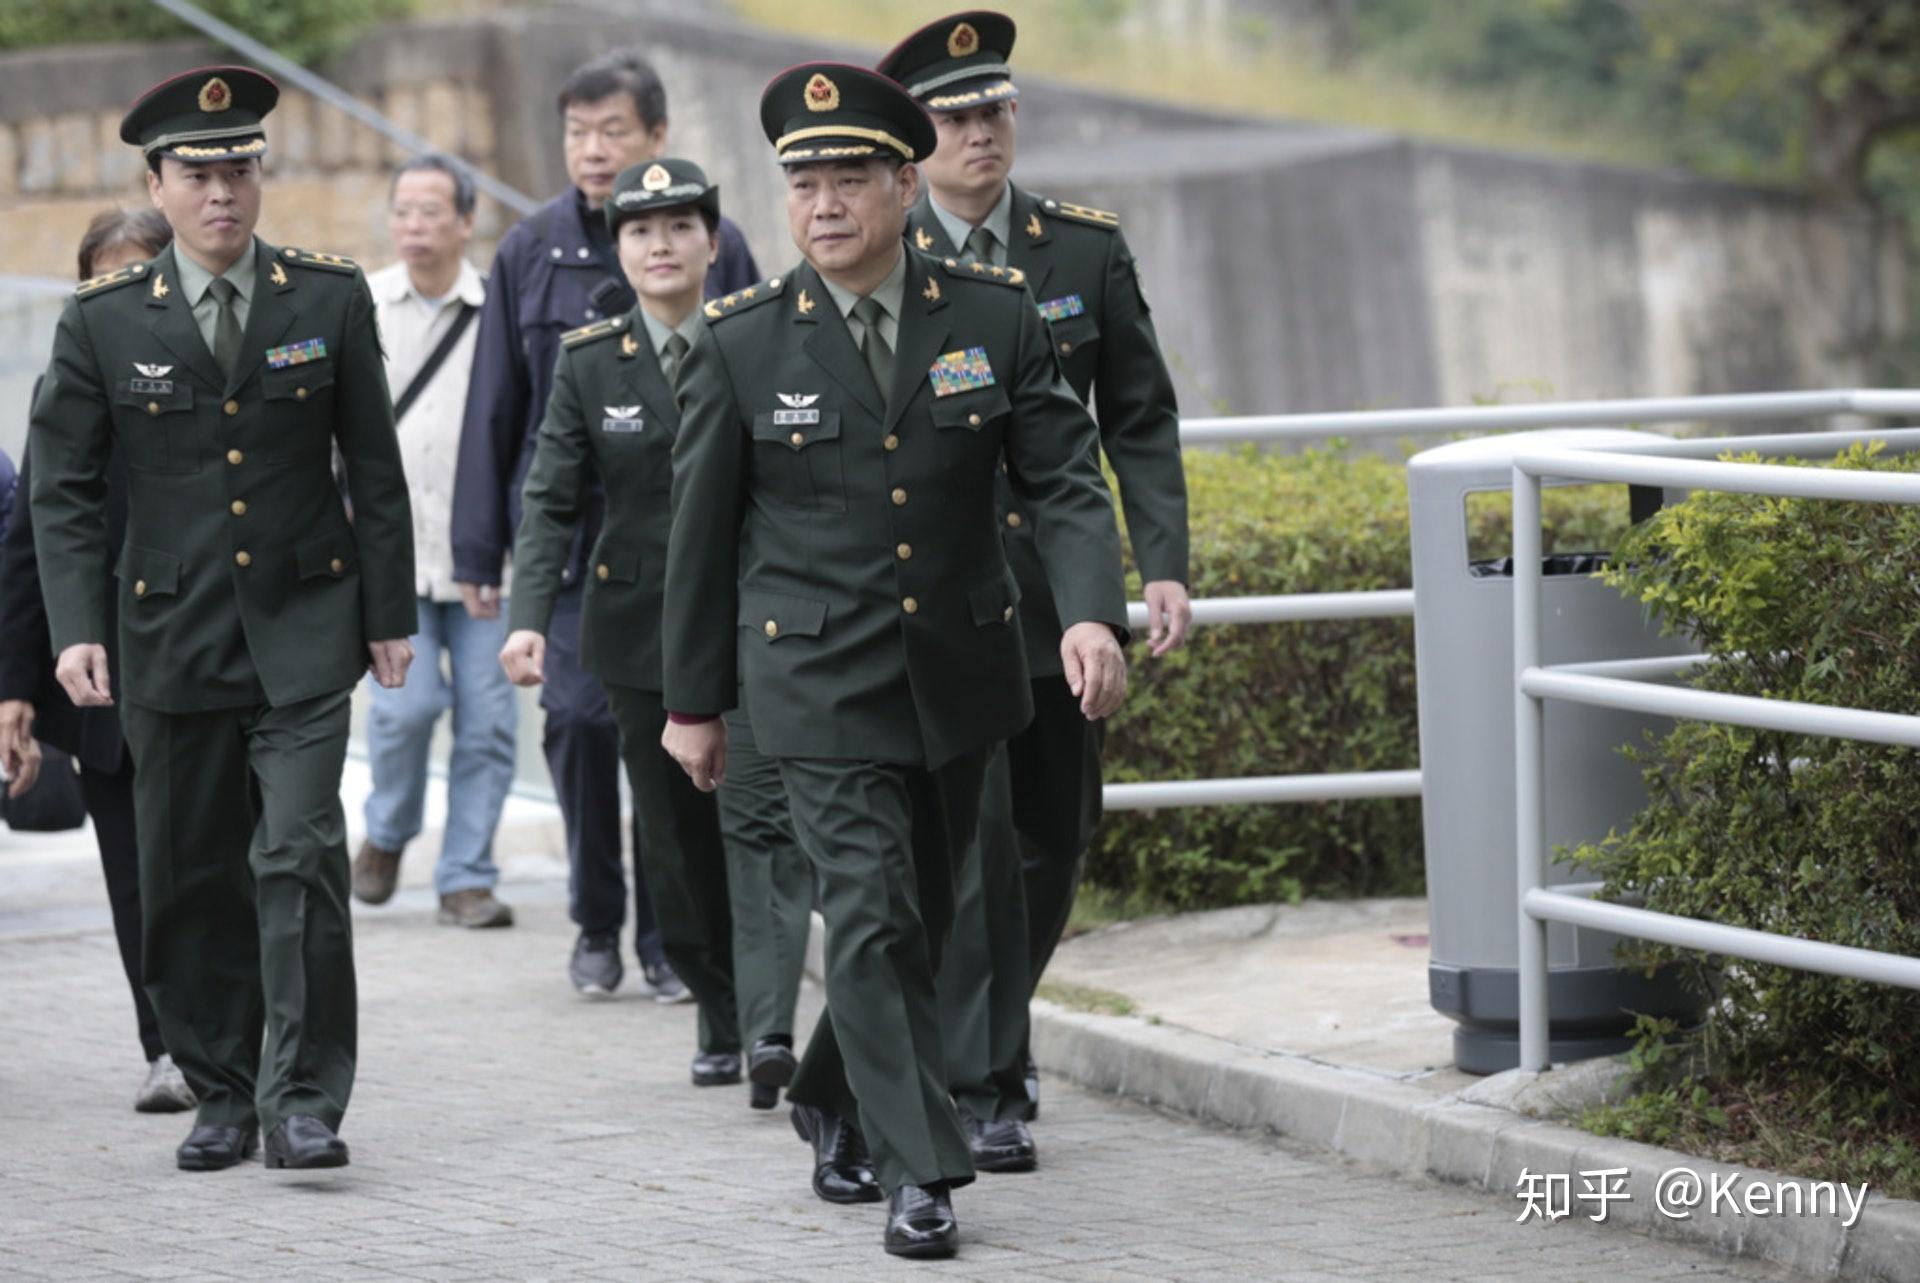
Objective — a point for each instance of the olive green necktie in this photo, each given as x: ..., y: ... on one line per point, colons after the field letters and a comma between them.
x: 873, y: 345
x: 226, y: 325
x: 677, y: 346
x: 980, y: 243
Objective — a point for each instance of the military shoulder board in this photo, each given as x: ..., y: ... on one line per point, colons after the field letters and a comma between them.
x: 588, y: 333
x: 978, y: 271
x: 1082, y: 214
x: 112, y: 280
x: 330, y: 262
x: 740, y: 300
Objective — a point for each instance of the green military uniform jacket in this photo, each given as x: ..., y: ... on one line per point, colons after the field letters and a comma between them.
x: 867, y: 600
x: 241, y: 577
x: 613, y: 413
x: 1082, y: 275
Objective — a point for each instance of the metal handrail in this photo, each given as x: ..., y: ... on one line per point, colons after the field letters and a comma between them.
x: 1535, y: 683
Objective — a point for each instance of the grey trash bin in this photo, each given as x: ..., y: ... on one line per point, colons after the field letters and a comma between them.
x: 1463, y: 630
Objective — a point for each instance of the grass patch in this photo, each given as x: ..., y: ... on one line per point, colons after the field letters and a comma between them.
x: 1095, y: 907
x: 1085, y: 44
x: 1788, y: 1125
x: 1099, y: 1002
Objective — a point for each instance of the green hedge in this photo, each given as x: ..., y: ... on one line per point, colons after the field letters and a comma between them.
x: 1287, y: 699
x: 305, y: 30
x: 1804, y: 836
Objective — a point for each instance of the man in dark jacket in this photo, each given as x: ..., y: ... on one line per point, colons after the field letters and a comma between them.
x: 554, y: 272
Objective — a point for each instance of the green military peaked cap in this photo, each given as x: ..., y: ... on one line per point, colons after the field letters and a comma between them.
x: 208, y: 114
x: 957, y: 62
x: 660, y: 184
x: 835, y: 111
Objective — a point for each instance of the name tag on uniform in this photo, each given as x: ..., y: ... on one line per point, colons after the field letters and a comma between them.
x: 279, y: 358
x: 152, y: 387
x: 961, y: 371
x: 794, y: 418
x: 1059, y: 309
x: 622, y: 418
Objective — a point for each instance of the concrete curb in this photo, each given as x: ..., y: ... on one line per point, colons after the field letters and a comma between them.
x: 1469, y: 1138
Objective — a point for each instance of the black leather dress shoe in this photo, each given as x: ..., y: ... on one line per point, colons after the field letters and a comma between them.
x: 716, y: 1068
x: 1033, y: 1085
x: 842, y: 1171
x: 761, y: 1096
x: 209, y: 1147
x: 920, y: 1223
x: 771, y: 1063
x: 1005, y: 1145
x: 302, y: 1141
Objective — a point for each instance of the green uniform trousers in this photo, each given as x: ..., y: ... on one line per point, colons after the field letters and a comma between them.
x: 1037, y: 816
x: 684, y: 863
x: 886, y: 841
x: 769, y: 883
x: 243, y: 890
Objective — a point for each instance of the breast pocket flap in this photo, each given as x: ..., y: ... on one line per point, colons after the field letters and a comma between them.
x: 797, y: 429
x: 777, y: 615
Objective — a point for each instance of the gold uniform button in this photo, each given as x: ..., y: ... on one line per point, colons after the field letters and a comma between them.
x: 899, y: 497
x: 773, y: 629
x: 299, y: 394
x: 1066, y: 349
x: 232, y: 408
x: 602, y: 571
x: 973, y: 420
x: 903, y: 551
x: 891, y: 442
x: 1013, y: 519
x: 798, y: 438
x: 911, y: 606
x: 153, y: 407
x: 1006, y: 616
x: 336, y: 565
x: 234, y: 457
x: 239, y: 507
x: 139, y: 587
x: 243, y: 558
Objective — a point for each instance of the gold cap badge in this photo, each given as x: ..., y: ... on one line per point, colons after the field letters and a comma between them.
x: 656, y: 179
x: 215, y: 95
x: 963, y: 41
x: 822, y: 94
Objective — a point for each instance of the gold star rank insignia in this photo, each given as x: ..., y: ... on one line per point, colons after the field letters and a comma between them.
x: 803, y: 303
x: 922, y: 240
x: 978, y: 266
x: 932, y: 292
x: 160, y: 289
x: 750, y: 291
x: 998, y: 271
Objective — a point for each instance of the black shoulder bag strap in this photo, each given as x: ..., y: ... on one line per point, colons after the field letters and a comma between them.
x: 435, y: 359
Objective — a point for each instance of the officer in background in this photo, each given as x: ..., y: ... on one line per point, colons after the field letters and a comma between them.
x: 1043, y: 791
x: 554, y: 272
x: 227, y: 371
x: 612, y: 415
x: 853, y: 414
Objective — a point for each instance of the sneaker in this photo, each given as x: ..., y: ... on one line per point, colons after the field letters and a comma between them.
x: 376, y: 871
x: 166, y: 1090
x: 473, y: 908
x: 667, y: 987
x: 595, y: 966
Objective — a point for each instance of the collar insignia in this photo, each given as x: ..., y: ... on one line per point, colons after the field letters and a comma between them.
x: 804, y: 303
x: 627, y: 348
x: 932, y: 292
x: 1034, y: 229
x: 160, y: 289
x: 922, y: 239
x: 277, y: 274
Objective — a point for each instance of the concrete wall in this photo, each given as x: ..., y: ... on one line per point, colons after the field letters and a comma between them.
x: 1291, y: 267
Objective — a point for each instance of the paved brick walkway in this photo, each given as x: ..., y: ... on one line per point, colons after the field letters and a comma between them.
x: 503, y: 1128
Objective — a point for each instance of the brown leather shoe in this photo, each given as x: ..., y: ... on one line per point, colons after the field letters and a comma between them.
x: 474, y: 908
x: 376, y: 871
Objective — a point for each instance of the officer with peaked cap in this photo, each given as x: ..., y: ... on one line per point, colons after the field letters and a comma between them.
x: 226, y: 371
x: 834, y: 537
x: 1043, y: 789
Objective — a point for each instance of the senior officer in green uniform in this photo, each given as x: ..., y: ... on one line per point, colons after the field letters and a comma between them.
x: 1042, y: 798
x: 613, y: 414
x: 853, y: 414
x: 225, y: 372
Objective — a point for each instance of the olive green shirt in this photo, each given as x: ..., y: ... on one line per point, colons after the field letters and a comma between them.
x: 194, y: 280
x: 999, y: 222
x: 659, y: 333
x: 888, y: 294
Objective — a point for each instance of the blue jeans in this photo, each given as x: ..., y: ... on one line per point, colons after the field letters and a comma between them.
x: 400, y: 729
